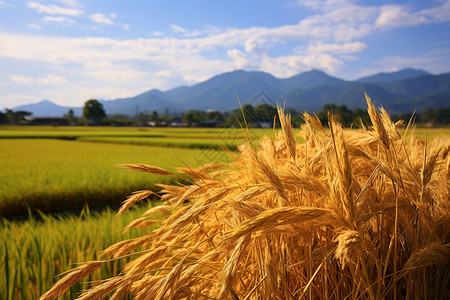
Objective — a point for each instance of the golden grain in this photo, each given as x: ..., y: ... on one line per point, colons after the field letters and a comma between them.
x: 348, y: 214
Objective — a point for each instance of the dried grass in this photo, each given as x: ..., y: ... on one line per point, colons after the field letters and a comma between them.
x: 349, y: 214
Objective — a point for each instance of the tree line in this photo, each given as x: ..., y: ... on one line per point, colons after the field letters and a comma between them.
x: 261, y: 115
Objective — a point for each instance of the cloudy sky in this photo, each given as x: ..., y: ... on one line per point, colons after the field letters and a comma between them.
x: 68, y: 51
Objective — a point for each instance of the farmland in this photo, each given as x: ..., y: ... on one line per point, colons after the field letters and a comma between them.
x: 54, y: 168
x: 62, y: 168
x: 33, y: 253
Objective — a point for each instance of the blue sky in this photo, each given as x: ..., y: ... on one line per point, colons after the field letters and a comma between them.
x: 68, y: 51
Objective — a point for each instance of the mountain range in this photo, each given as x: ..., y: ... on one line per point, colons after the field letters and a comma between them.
x: 399, y: 92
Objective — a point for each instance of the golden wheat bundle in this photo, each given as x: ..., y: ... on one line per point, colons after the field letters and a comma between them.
x: 349, y: 214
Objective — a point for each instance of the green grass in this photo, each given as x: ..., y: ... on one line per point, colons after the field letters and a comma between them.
x: 52, y: 175
x: 202, y: 143
x: 33, y: 252
x: 73, y: 132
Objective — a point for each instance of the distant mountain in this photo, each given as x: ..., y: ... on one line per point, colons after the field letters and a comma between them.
x: 422, y: 85
x: 415, y: 90
x: 350, y: 94
x: 145, y: 102
x: 47, y: 108
x: 309, y: 80
x: 393, y: 76
x: 222, y: 92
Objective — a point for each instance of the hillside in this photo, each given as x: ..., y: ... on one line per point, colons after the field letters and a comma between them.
x: 415, y: 90
x: 393, y: 76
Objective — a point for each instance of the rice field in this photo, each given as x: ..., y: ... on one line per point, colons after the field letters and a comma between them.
x: 54, y: 168
x: 34, y: 252
x: 201, y: 143
x: 348, y: 214
x: 74, y: 132
x: 52, y: 175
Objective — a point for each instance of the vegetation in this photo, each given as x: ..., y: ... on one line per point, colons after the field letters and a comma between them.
x: 13, y: 117
x: 214, y: 143
x: 93, y: 111
x: 34, y: 252
x: 74, y: 132
x: 261, y: 115
x: 345, y: 215
x: 40, y: 169
x: 54, y: 175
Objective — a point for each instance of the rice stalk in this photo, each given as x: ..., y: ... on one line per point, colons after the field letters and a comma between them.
x: 348, y: 214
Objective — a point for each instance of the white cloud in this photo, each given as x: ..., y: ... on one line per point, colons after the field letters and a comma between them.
x: 54, y: 9
x: 207, y: 30
x: 14, y: 99
x: 20, y: 79
x: 438, y: 13
x: 177, y: 29
x: 290, y: 65
x: 72, y: 3
x: 101, y: 19
x: 52, y: 79
x: 3, y: 4
x: 240, y: 59
x: 258, y: 48
x: 336, y: 48
x: 126, y: 26
x: 398, y: 15
x: 59, y: 19
x: 165, y: 74
x: 325, y: 5
x: 107, y: 71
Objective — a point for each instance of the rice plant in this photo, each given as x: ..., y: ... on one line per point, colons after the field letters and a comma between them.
x: 360, y: 214
x: 33, y: 252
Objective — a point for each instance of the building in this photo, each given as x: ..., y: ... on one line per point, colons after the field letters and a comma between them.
x: 46, y: 120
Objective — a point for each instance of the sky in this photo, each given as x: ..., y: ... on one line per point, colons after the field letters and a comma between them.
x: 69, y: 51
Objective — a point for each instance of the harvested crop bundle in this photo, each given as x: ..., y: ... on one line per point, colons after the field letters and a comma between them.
x: 347, y: 214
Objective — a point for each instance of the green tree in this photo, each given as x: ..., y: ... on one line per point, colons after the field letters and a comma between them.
x: 10, y: 116
x: 236, y: 117
x: 70, y: 116
x: 14, y: 117
x: 265, y: 113
x: 154, y: 116
x: 93, y: 110
x: 194, y: 116
x: 214, y: 115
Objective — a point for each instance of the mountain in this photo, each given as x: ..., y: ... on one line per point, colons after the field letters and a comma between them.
x: 222, y: 92
x: 145, y: 102
x: 393, y: 76
x: 46, y: 108
x: 350, y: 94
x: 415, y: 90
x: 422, y: 85
x: 310, y: 79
